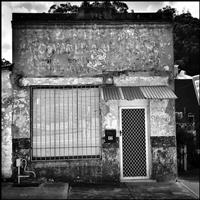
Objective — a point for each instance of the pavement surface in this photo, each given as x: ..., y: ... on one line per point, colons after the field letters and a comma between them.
x: 191, y: 185
x: 190, y: 180
x: 131, y: 190
x: 43, y: 191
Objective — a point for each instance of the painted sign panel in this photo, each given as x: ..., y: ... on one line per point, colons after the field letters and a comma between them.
x: 88, y: 51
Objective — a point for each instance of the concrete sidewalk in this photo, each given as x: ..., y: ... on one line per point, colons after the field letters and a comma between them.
x: 191, y: 185
x: 43, y: 191
x: 133, y: 190
x: 190, y: 180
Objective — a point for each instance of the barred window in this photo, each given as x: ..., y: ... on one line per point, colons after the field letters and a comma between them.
x: 65, y: 123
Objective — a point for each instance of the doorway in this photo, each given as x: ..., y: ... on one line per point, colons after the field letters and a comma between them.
x: 134, y: 143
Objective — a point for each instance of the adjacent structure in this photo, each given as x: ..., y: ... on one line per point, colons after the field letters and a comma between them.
x: 187, y: 119
x: 93, y: 97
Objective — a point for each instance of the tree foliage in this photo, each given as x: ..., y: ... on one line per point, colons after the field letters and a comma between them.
x: 63, y: 8
x: 115, y: 6
x: 186, y: 40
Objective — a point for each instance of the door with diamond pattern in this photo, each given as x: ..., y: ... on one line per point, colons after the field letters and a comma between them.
x: 134, y: 161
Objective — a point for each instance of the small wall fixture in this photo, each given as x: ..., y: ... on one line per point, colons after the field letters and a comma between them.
x: 108, y: 80
x: 110, y: 136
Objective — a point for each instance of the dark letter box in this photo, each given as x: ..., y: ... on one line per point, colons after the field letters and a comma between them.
x: 110, y: 136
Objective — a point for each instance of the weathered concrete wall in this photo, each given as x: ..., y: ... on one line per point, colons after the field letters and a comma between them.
x: 164, y: 158
x: 60, y: 81
x: 163, y: 139
x: 139, y: 54
x: 105, y: 169
x: 90, y: 170
x: 74, y: 50
x: 141, y: 79
x: 6, y: 117
x: 162, y: 117
x: 111, y: 151
x: 21, y: 125
x: 21, y: 113
x: 161, y: 133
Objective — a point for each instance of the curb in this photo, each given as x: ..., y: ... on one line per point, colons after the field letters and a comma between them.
x: 190, y: 190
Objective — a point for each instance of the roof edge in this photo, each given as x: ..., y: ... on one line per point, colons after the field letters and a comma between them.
x: 78, y: 17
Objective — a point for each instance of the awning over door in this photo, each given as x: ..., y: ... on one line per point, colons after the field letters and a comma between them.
x: 139, y: 92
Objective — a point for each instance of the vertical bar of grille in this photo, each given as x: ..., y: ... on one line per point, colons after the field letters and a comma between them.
x: 86, y: 121
x: 54, y: 131
x: 95, y: 114
x: 50, y: 99
x: 99, y: 121
x: 36, y: 128
x: 59, y: 120
x: 40, y: 124
x: 64, y: 123
x: 81, y: 92
x: 68, y: 123
x: 77, y: 147
x: 73, y: 121
x: 91, y: 144
x: 31, y: 120
x: 45, y: 123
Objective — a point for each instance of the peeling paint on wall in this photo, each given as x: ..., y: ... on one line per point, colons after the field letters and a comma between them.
x: 142, y: 80
x: 90, y: 50
x: 6, y: 117
x: 110, y: 164
x: 60, y: 81
x: 164, y: 166
x: 110, y: 121
x: 135, y: 55
x: 21, y: 113
x: 110, y: 115
x: 162, y: 118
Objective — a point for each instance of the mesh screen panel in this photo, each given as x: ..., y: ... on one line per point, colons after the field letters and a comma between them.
x: 133, y: 142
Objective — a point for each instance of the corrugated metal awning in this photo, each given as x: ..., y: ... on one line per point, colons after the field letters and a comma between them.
x: 158, y: 92
x: 131, y: 93
x: 111, y: 93
x: 142, y: 92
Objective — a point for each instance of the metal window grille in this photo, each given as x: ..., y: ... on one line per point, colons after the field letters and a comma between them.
x: 65, y: 123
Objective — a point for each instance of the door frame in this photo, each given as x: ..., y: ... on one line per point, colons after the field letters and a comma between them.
x: 124, y: 179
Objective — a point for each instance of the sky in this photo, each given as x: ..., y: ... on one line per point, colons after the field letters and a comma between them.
x: 9, y: 7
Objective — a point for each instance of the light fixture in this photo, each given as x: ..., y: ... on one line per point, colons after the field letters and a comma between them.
x: 108, y: 80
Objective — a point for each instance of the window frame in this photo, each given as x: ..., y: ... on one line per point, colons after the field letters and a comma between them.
x: 66, y: 158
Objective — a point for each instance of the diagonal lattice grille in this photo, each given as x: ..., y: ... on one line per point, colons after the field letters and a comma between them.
x: 133, y: 142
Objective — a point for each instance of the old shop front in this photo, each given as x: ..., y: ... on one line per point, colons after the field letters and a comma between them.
x: 93, y: 99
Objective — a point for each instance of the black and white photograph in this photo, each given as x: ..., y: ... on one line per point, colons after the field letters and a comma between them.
x: 100, y: 99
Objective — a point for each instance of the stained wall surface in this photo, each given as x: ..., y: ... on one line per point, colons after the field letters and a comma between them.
x: 67, y: 50
x: 163, y: 139
x: 6, y: 117
x: 43, y: 53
